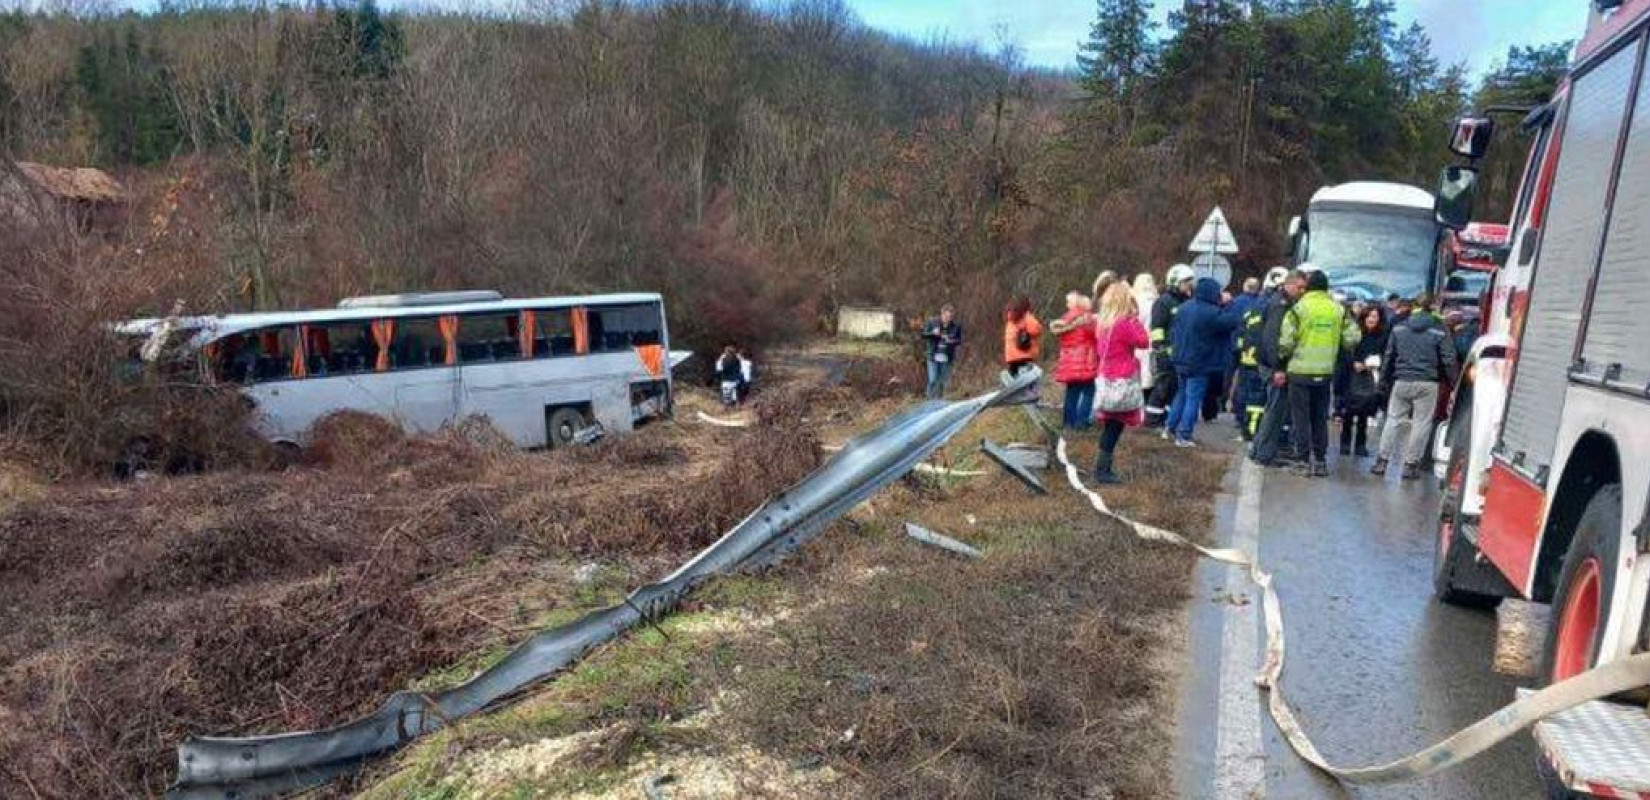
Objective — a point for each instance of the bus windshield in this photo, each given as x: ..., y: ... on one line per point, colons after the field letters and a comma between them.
x: 1370, y: 254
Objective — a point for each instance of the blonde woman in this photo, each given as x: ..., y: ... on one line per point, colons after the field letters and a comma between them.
x: 1119, y: 401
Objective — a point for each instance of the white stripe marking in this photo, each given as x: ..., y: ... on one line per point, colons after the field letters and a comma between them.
x: 1240, y: 756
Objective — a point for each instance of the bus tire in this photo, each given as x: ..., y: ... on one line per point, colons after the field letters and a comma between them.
x: 1581, y: 604
x: 562, y: 426
x: 1457, y: 571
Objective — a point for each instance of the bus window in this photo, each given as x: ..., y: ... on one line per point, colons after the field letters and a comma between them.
x: 552, y: 332
x: 344, y: 349
x: 489, y: 337
x: 417, y: 343
x: 623, y: 327
x: 257, y: 355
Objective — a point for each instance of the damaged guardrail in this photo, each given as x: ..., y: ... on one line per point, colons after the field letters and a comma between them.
x: 261, y: 766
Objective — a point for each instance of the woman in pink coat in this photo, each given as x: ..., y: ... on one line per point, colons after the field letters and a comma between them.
x: 1077, y: 366
x: 1119, y: 332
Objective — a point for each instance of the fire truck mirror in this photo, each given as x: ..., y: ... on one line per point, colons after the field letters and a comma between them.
x: 1456, y: 190
x: 1472, y: 136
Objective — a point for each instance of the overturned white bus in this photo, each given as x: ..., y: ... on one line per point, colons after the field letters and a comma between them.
x: 540, y: 369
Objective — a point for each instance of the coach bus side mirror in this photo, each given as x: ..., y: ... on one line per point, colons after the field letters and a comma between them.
x: 1456, y: 189
x: 1472, y: 136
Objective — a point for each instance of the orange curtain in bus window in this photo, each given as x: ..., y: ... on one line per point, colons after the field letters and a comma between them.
x: 527, y: 326
x: 581, y: 330
x: 449, y: 335
x: 300, y: 353
x: 653, y: 358
x: 383, y: 334
x: 215, y: 367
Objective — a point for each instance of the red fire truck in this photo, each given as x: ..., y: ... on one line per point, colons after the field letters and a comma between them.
x: 1547, y: 483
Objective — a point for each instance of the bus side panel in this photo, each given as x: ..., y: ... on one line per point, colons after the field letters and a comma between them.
x: 513, y: 395
x: 1512, y: 524
x: 287, y: 410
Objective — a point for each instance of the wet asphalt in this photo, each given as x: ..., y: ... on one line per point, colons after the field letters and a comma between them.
x: 1376, y: 668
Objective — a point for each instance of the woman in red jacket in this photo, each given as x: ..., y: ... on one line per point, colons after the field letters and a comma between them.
x: 1078, y: 364
x: 1120, y: 333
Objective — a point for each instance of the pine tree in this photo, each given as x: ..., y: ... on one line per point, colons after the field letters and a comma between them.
x: 1119, y: 52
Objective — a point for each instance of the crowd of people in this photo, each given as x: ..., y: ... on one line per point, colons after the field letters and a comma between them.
x: 1283, y: 355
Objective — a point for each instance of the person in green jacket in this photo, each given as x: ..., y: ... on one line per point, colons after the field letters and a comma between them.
x: 1315, y: 333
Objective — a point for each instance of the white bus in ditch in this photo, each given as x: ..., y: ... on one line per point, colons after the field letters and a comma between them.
x: 1372, y: 239
x: 541, y: 370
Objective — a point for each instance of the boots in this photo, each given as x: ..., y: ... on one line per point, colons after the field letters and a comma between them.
x: 1412, y: 472
x: 1102, y: 471
x: 1379, y: 468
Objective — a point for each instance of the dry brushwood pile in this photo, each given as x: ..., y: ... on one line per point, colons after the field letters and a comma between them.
x: 254, y: 600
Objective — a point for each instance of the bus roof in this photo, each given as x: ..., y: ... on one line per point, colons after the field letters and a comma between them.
x: 213, y: 327
x: 1606, y: 28
x: 1375, y: 193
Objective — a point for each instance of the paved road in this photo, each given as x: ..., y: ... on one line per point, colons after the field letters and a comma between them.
x: 1376, y: 669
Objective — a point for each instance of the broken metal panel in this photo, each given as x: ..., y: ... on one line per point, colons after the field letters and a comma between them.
x: 1009, y: 462
x: 261, y: 766
x: 941, y: 541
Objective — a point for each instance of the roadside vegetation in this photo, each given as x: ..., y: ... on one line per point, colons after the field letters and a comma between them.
x: 872, y: 665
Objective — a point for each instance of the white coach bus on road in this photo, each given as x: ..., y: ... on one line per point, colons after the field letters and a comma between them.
x: 540, y: 369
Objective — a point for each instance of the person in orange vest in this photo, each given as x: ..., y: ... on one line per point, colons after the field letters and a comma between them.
x: 1022, y: 336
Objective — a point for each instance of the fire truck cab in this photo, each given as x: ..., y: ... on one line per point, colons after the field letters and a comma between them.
x: 1547, y: 483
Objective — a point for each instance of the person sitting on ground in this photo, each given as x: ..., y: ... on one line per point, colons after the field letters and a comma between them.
x: 1120, y: 334
x: 1316, y: 331
x: 1419, y: 356
x: 1022, y: 336
x: 943, y: 335
x: 1201, y: 341
x: 1077, y: 367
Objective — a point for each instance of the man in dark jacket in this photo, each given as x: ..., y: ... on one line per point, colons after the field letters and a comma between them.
x: 1419, y: 357
x: 1177, y: 289
x: 1201, y: 339
x: 1270, y: 436
x: 942, y: 335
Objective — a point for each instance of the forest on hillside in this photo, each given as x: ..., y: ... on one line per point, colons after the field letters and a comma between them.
x: 759, y: 163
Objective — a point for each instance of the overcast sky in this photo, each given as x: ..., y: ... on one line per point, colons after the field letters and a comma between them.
x: 1477, y: 32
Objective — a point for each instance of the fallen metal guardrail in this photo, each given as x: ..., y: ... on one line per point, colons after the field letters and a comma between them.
x: 261, y: 766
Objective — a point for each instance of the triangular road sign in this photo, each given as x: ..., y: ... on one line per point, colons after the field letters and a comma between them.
x: 1215, y: 236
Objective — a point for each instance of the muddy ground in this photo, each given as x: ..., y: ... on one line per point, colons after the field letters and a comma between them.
x: 132, y: 614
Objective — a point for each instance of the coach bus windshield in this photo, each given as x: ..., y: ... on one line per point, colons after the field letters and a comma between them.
x: 1371, y: 254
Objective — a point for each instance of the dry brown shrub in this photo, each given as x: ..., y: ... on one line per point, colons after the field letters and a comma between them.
x: 249, y: 600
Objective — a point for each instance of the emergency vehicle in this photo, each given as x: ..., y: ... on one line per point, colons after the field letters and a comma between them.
x: 1547, y: 482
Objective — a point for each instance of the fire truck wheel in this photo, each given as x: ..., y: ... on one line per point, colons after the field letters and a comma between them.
x: 1453, y: 557
x: 1581, y: 606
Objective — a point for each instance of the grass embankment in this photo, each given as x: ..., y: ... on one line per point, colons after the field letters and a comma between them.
x: 872, y: 665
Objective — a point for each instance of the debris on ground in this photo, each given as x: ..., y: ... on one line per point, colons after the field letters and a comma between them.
x: 941, y: 541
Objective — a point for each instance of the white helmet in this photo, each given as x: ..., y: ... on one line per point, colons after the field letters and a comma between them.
x: 1308, y: 267
x: 1276, y: 276
x: 1178, y: 273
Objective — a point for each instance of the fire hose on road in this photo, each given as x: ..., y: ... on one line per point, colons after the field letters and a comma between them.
x: 1613, y: 678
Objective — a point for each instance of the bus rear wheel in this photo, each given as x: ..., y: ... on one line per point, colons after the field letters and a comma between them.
x: 1581, y: 605
x: 563, y: 426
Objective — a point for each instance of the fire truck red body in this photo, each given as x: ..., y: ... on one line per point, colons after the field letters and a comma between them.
x: 1547, y: 483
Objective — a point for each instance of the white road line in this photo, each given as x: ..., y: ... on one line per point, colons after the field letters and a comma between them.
x: 1240, y: 755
